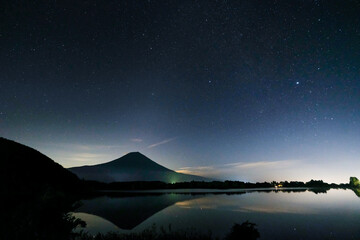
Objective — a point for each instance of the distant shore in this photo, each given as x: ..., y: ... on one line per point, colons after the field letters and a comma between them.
x: 211, y: 187
x: 198, y: 191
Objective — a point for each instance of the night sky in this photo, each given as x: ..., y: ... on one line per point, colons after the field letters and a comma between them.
x: 245, y: 90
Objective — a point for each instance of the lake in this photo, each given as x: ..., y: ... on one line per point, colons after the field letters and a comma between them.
x: 299, y: 214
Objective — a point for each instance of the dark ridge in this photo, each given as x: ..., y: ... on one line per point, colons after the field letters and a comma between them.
x: 24, y: 169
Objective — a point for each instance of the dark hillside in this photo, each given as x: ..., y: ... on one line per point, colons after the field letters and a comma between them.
x: 23, y: 169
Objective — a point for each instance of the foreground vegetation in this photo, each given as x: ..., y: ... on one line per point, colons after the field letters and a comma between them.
x: 245, y: 231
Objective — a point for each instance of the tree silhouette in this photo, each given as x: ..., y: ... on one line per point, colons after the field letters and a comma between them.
x: 245, y: 231
x: 354, y: 182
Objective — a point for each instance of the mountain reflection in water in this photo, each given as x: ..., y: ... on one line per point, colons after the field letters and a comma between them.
x: 126, y: 212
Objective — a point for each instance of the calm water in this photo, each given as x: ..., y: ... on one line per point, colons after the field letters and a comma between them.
x: 278, y: 215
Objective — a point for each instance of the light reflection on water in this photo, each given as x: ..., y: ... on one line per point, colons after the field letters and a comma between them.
x: 278, y: 215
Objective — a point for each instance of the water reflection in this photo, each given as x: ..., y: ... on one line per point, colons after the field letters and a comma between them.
x: 126, y: 212
x: 278, y: 214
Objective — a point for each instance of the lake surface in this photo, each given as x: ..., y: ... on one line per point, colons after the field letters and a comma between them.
x: 300, y: 214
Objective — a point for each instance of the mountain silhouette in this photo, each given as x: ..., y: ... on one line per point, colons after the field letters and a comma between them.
x: 23, y: 169
x: 132, y: 167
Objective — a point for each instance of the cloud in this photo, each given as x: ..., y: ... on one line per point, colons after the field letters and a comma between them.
x: 200, y: 170
x: 261, y: 164
x: 235, y: 168
x: 83, y: 147
x: 161, y: 143
x: 75, y: 154
x: 84, y: 157
x: 136, y: 140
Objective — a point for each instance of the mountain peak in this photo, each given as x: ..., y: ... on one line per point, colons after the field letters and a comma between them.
x: 135, y: 160
x: 134, y: 154
x: 133, y: 166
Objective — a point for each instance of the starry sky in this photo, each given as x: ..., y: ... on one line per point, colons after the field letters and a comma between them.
x: 243, y: 90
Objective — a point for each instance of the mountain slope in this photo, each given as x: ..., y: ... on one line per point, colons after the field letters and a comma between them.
x: 132, y: 167
x: 25, y: 169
